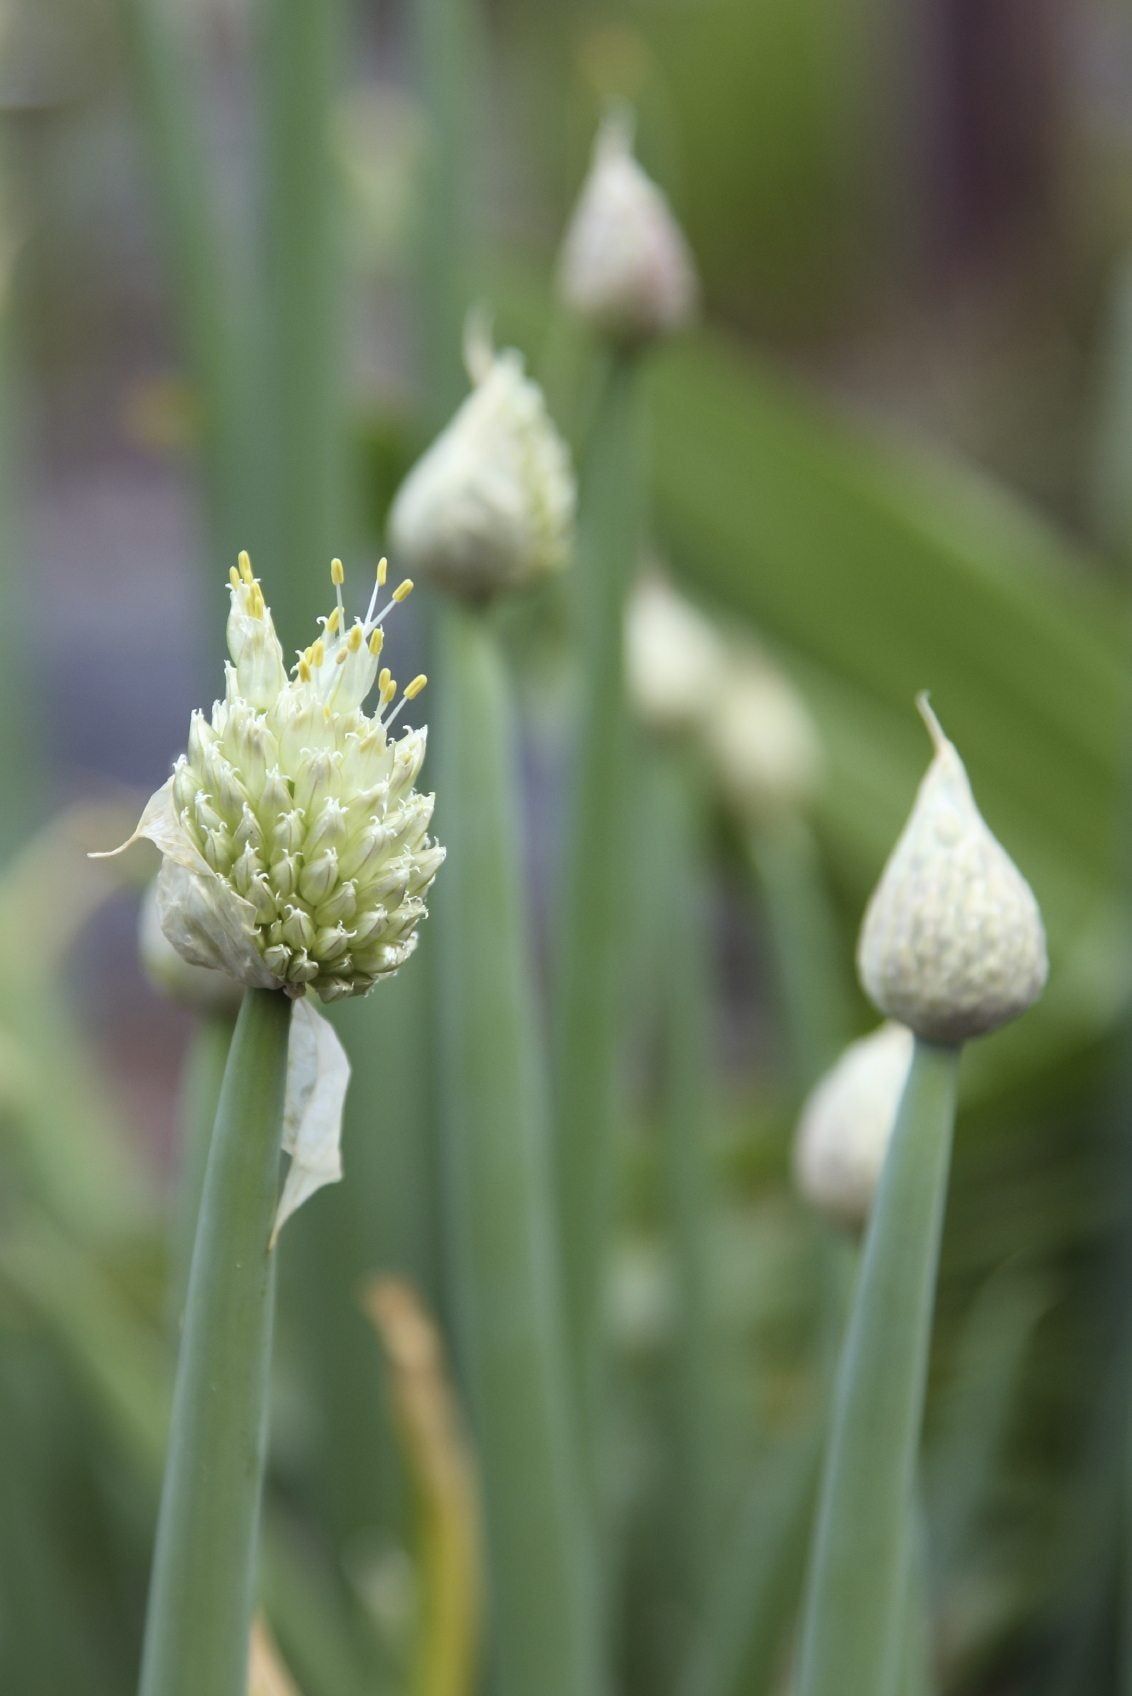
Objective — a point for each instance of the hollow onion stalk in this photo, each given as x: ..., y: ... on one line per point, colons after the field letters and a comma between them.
x: 855, y: 1605
x: 589, y: 1001
x: 501, y: 1224
x: 203, y: 1579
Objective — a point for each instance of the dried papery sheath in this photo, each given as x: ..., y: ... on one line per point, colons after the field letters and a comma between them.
x: 490, y: 506
x: 202, y: 988
x: 625, y: 268
x: 846, y: 1122
x: 296, y: 848
x: 673, y: 660
x: 952, y: 943
x: 762, y: 743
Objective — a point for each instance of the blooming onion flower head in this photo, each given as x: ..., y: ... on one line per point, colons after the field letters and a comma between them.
x: 952, y: 943
x: 490, y: 505
x: 296, y: 848
x: 625, y: 267
x: 846, y: 1122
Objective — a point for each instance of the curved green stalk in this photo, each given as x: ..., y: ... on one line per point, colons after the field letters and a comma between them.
x: 852, y: 1632
x: 502, y: 1230
x: 202, y: 1585
x: 590, y: 955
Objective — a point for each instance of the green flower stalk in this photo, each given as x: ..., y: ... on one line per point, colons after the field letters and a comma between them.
x: 953, y: 946
x: 496, y: 473
x: 295, y: 858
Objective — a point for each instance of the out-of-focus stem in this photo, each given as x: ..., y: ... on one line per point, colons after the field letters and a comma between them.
x: 852, y: 1636
x: 303, y: 297
x: 447, y: 1520
x: 501, y: 1225
x: 590, y: 937
x: 811, y: 992
x: 202, y: 1585
x: 201, y: 277
x: 687, y: 1079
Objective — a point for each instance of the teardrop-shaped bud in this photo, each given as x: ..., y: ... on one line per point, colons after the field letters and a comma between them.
x: 846, y: 1122
x: 625, y: 268
x: 952, y: 943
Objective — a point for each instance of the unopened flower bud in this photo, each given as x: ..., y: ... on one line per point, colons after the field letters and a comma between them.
x: 846, y: 1122
x: 673, y: 659
x: 761, y: 740
x: 625, y: 267
x: 272, y: 873
x: 490, y: 505
x: 952, y: 943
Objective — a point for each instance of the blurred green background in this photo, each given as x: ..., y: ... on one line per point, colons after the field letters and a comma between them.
x: 237, y: 241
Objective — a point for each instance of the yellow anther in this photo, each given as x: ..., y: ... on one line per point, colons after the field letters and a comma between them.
x: 340, y: 657
x: 259, y: 605
x: 245, y: 565
x: 382, y: 571
x: 388, y: 691
x: 403, y: 590
x: 337, y: 572
x: 304, y: 671
x: 318, y: 652
x: 377, y: 641
x: 413, y: 689
x: 233, y: 577
x: 383, y: 678
x: 334, y: 621
x: 354, y: 639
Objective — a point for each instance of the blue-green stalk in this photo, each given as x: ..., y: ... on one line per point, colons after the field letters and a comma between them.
x: 201, y: 1083
x: 502, y: 1231
x: 203, y: 1581
x: 590, y: 956
x: 852, y: 1628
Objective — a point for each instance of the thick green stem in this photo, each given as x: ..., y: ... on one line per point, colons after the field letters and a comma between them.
x: 202, y: 1586
x: 813, y: 1000
x: 502, y: 1229
x: 852, y: 1631
x: 591, y: 953
x: 201, y: 1084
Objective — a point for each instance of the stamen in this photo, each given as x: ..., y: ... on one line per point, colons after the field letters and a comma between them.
x: 383, y: 678
x: 376, y: 642
x: 403, y: 590
x: 354, y: 639
x: 337, y: 573
x: 333, y: 622
x: 318, y: 653
x: 233, y: 577
x: 304, y: 671
x: 413, y: 689
x: 246, y: 566
x: 382, y: 571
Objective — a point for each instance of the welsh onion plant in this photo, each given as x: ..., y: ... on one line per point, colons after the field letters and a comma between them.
x: 952, y: 946
x: 295, y: 858
x: 626, y: 273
